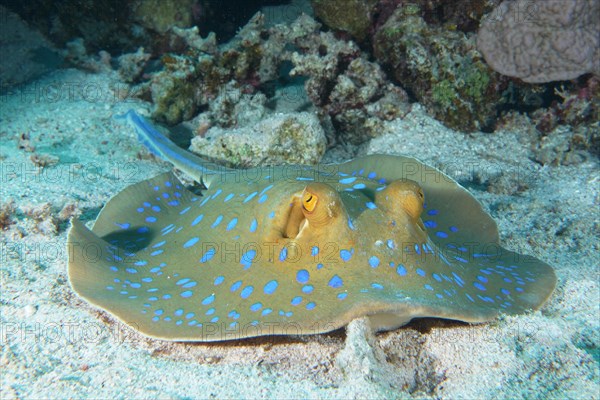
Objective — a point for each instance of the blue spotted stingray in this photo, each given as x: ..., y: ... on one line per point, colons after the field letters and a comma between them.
x: 296, y: 250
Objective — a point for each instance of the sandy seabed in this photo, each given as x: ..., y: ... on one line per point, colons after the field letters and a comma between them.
x: 62, y: 154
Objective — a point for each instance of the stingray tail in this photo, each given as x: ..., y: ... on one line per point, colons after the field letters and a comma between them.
x: 159, y: 145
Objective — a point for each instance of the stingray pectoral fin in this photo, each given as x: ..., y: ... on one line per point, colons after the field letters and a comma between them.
x: 89, y: 268
x: 448, y: 204
x: 159, y: 145
x: 141, y: 208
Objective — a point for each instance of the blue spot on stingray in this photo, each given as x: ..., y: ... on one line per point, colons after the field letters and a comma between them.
x: 155, y: 319
x: 110, y: 288
x: 197, y: 220
x: 141, y: 209
x: 233, y: 314
x: 505, y: 291
x: 165, y: 195
x: 246, y: 292
x: 519, y: 289
x: 453, y: 229
x: 302, y: 276
x: 428, y: 286
x: 400, y: 270
x: 158, y: 312
x: 156, y: 252
x: 146, y: 204
x: 182, y: 281
x: 462, y: 260
x: 247, y: 258
x: 250, y: 197
x: 265, y: 190
x: 208, y: 300
x: 347, y: 181
x: 390, y: 244
x: 359, y: 186
x: 156, y: 208
x: 217, y: 193
x: 178, y: 313
x: 124, y: 225
x: 150, y: 219
x: 370, y: 205
x: 345, y: 255
x: 153, y: 298
x: 187, y: 293
x: 342, y: 296
x: 236, y: 286
x: 439, y: 296
x: 143, y: 229
x: 136, y: 285
x: 272, y: 214
x: 253, y: 225
x: 372, y: 175
x: 420, y: 272
x: 189, y: 315
x: 208, y: 255
x: 319, y: 266
x: 311, y: 305
x: 190, y: 285
x: 432, y: 212
x: 210, y: 311
x: 266, y: 311
x: 174, y: 203
x: 113, y: 268
x: 219, y: 280
x: 307, y: 289
x: 140, y: 263
x: 437, y: 277
x: 131, y: 270
x: 191, y: 242
x: 479, y: 286
x: 255, y: 307
x: 458, y: 279
x: 418, y: 249
x: 217, y: 221
x: 270, y: 287
x: 167, y: 296
x: 263, y: 198
x: 374, y: 261
x: 229, y: 197
x: 482, y: 279
x: 159, y: 244
x: 336, y: 282
x: 283, y: 254
x: 296, y: 300
x: 351, y: 225
x: 377, y: 286
x: 314, y: 251
x: 232, y: 224
x: 441, y: 234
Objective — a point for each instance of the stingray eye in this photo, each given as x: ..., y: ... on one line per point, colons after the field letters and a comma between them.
x: 309, y: 201
x: 404, y: 196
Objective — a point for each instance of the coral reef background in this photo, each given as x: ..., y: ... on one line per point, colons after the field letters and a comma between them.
x: 270, y: 82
